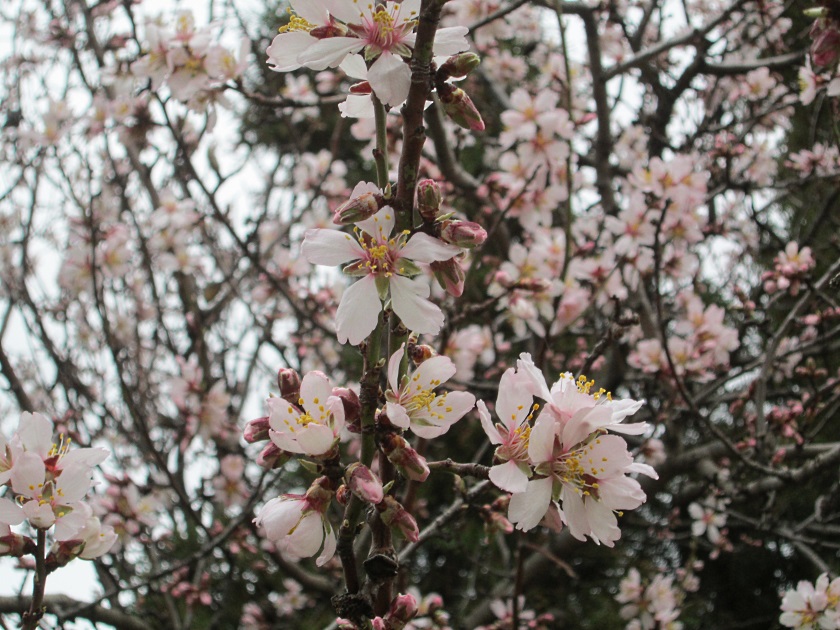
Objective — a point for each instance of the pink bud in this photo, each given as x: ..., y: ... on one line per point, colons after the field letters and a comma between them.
x: 63, y: 552
x: 288, y: 380
x: 15, y: 545
x: 358, y: 208
x: 352, y: 408
x: 256, y: 430
x: 409, y: 462
x: 364, y: 483
x: 825, y: 48
x: 393, y: 514
x: 450, y: 275
x: 402, y: 610
x: 463, y: 233
x: 428, y: 199
x: 272, y: 457
x: 319, y: 494
x: 460, y: 109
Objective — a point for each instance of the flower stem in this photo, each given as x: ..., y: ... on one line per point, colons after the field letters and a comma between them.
x: 31, y: 618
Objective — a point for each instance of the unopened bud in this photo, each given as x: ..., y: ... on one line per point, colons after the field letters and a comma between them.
x: 63, y: 552
x: 343, y: 494
x: 428, y: 199
x: 825, y: 50
x: 272, y: 457
x: 352, y: 408
x: 409, y: 462
x: 450, y: 275
x: 420, y: 353
x: 15, y: 545
x: 256, y: 430
x: 319, y: 494
x: 402, y: 610
x: 467, y: 234
x: 461, y: 110
x: 393, y: 514
x: 458, y: 66
x: 358, y: 208
x: 364, y: 483
x: 288, y: 380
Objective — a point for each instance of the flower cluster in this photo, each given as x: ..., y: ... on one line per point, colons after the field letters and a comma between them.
x: 654, y: 605
x: 50, y: 481
x: 790, y: 268
x: 812, y: 606
x: 567, y: 467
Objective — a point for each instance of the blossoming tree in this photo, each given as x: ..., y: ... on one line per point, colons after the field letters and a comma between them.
x: 420, y: 314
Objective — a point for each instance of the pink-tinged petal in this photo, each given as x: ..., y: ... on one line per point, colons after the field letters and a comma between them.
x: 409, y: 303
x: 28, y: 475
x: 306, y: 539
x: 284, y: 440
x: 10, y: 512
x: 451, y: 40
x: 72, y: 484
x: 397, y: 415
x: 509, y: 477
x: 330, y: 545
x: 89, y: 457
x: 528, y: 508
x: 621, y: 409
x: 431, y: 373
x: 354, y: 67
x: 69, y: 525
x: 357, y: 106
x: 608, y: 457
x: 487, y: 423
x: 583, y: 423
x: 574, y: 513
x: 315, y: 12
x: 285, y: 49
x: 635, y: 428
x: 390, y: 78
x: 281, y: 414
x: 394, y: 369
x: 644, y: 469
x: 424, y: 248
x: 541, y: 441
x: 315, y: 439
x: 40, y: 516
x: 330, y: 247
x: 36, y: 433
x: 515, y: 400
x: 602, y: 523
x: 278, y: 517
x: 315, y: 389
x: 380, y: 225
x: 536, y: 380
x: 345, y: 11
x: 621, y: 493
x: 329, y: 52
x: 358, y: 311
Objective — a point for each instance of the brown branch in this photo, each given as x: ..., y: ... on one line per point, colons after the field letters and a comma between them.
x: 58, y: 604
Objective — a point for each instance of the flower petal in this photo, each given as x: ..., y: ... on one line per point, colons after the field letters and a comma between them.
x: 358, y: 312
x: 409, y: 303
x: 330, y: 247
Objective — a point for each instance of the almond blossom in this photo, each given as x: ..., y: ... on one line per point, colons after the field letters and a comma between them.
x: 580, y: 471
x: 413, y: 401
x: 812, y: 606
x: 321, y: 33
x: 386, y: 264
x: 312, y: 426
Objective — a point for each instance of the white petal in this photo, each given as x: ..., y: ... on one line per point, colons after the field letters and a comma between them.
x: 357, y: 106
x: 285, y: 48
x: 354, y: 67
x: 541, y: 442
x: 394, y: 369
x: 358, y: 312
x: 315, y: 439
x: 397, y: 415
x: 328, y: 53
x: 424, y: 248
x: 451, y: 40
x: 432, y: 372
x: 35, y: 431
x: 487, y: 423
x: 509, y: 477
x: 416, y: 312
x: 390, y: 78
x: 330, y: 544
x: 380, y: 225
x: 10, y: 512
x: 330, y: 247
x: 528, y: 508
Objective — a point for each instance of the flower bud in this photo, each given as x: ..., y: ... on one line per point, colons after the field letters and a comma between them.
x: 63, y: 552
x: 358, y: 208
x: 256, y: 430
x: 319, y: 494
x: 15, y: 545
x: 402, y: 610
x: 466, y: 234
x: 825, y: 49
x: 352, y: 408
x: 363, y: 483
x: 272, y: 457
x: 393, y: 514
x: 428, y: 199
x: 288, y: 380
x: 343, y: 494
x: 409, y: 462
x: 461, y: 110
x: 458, y: 66
x: 420, y: 353
x: 450, y: 275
